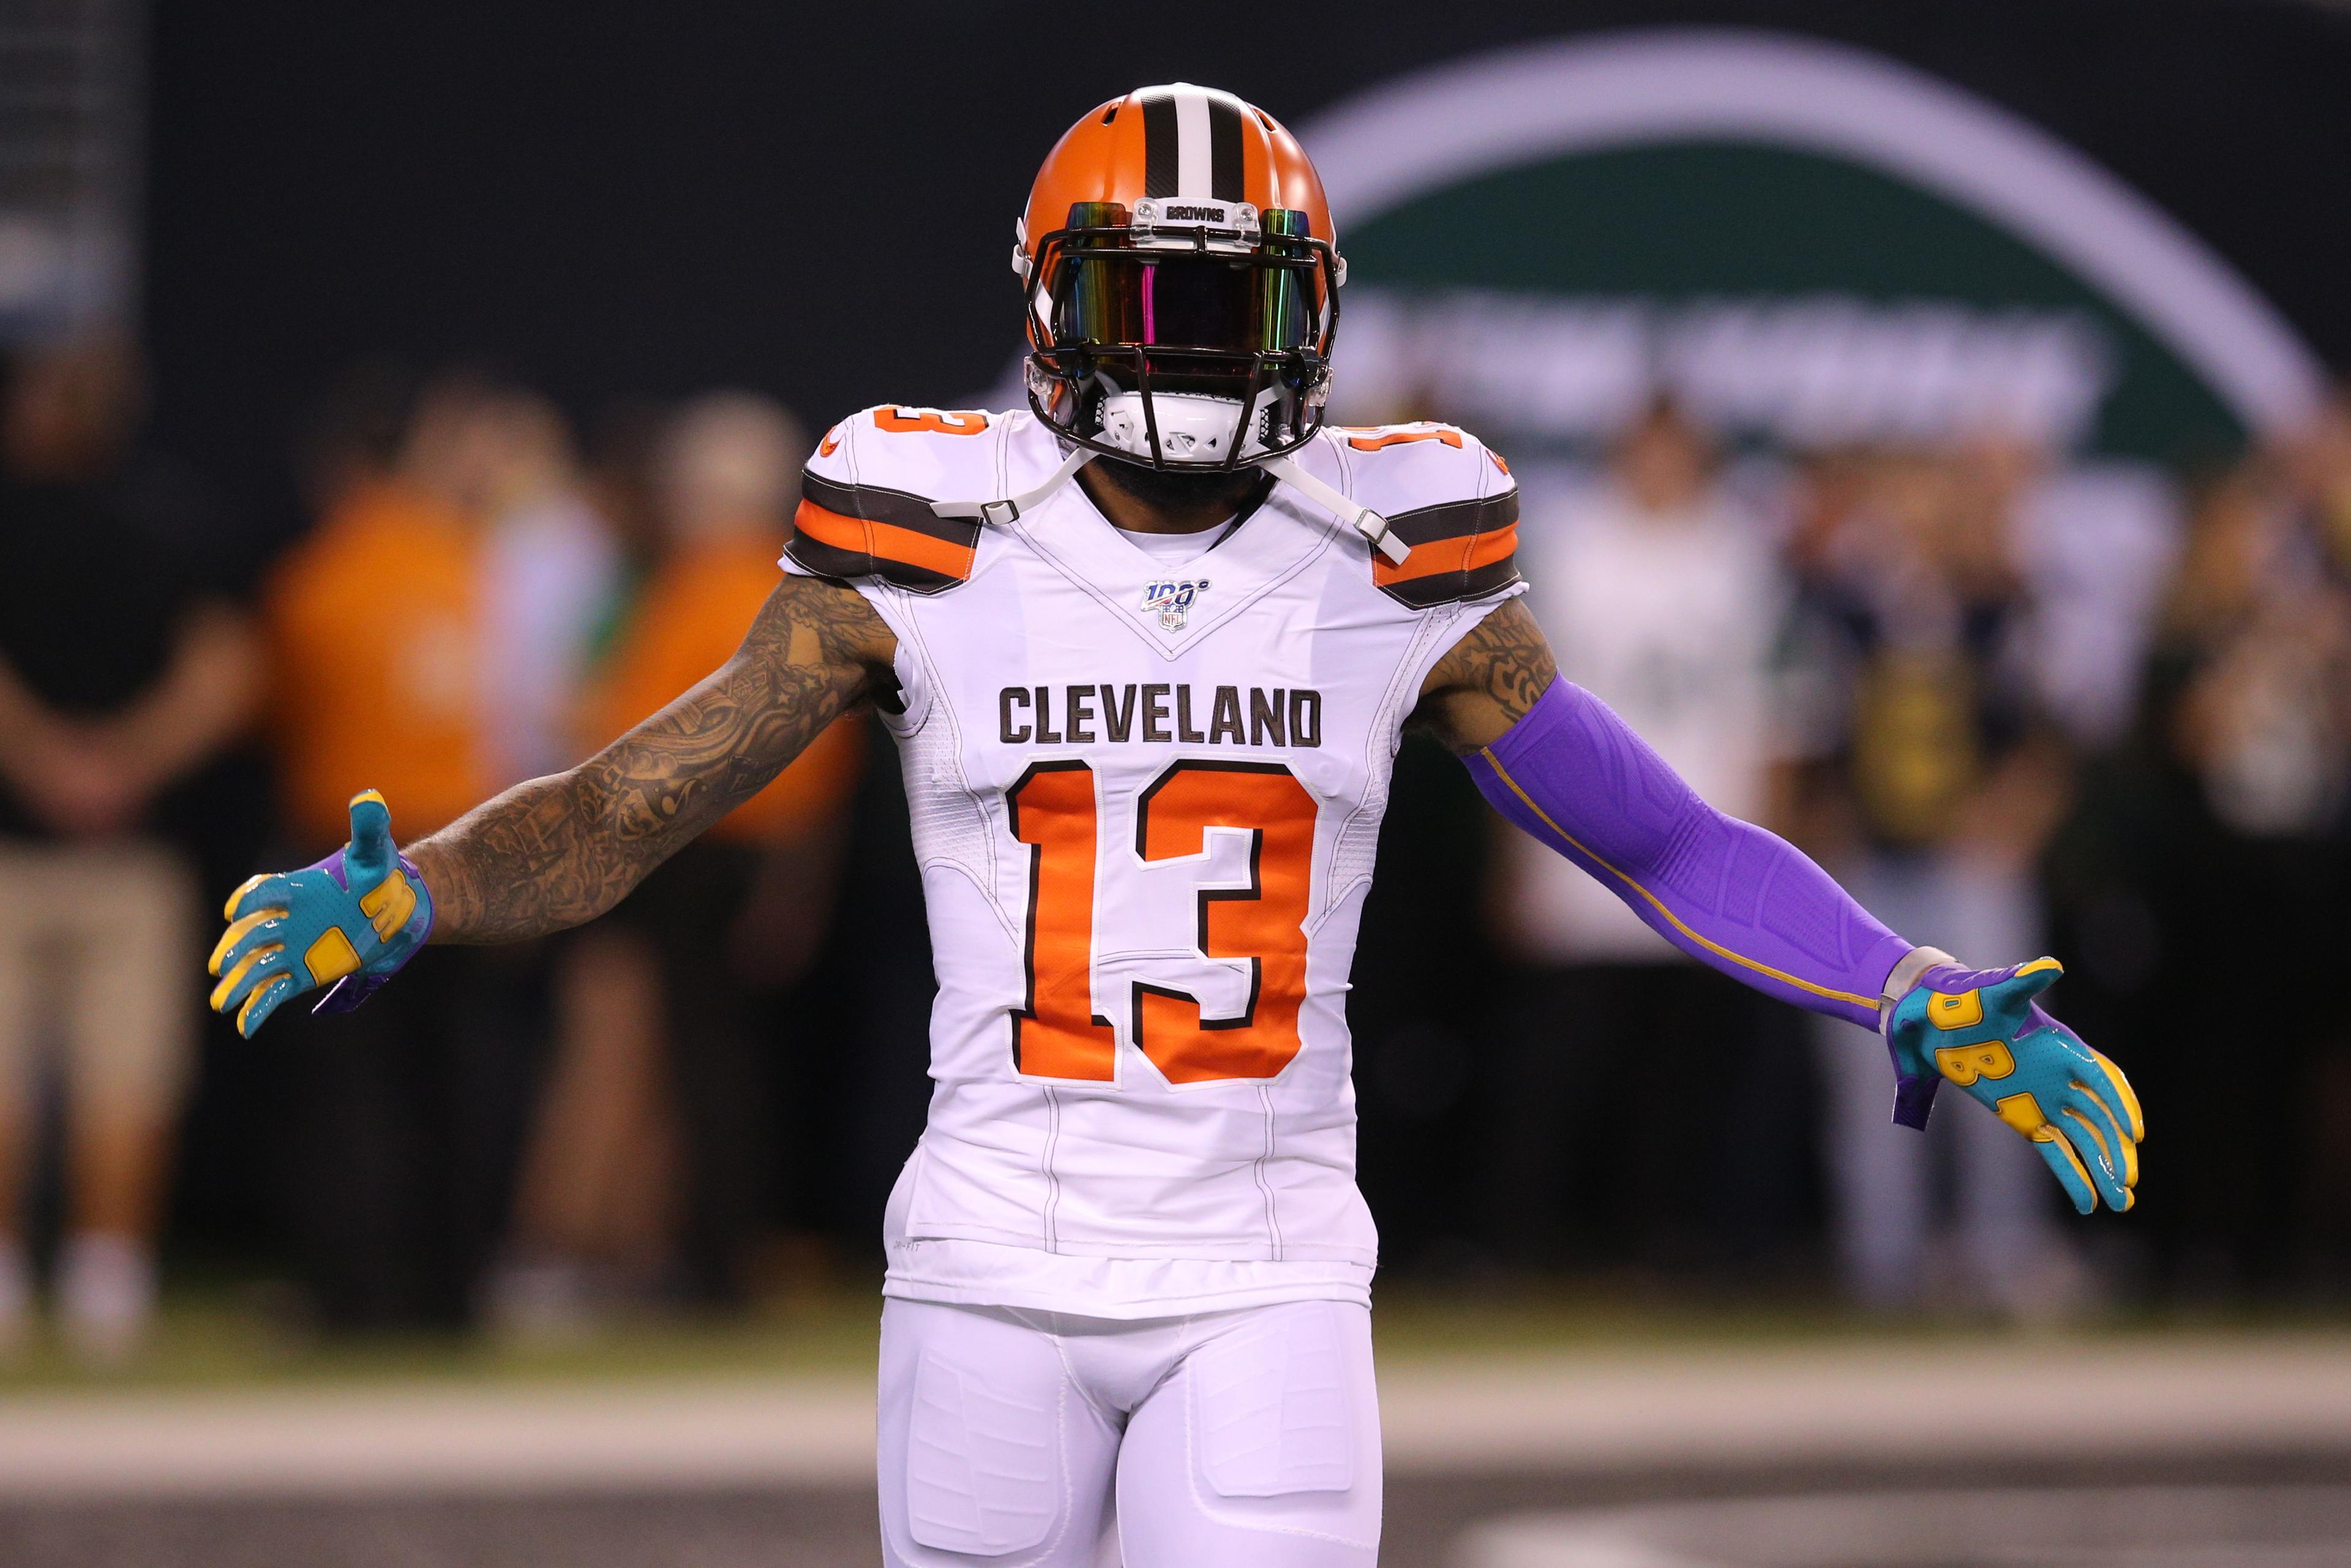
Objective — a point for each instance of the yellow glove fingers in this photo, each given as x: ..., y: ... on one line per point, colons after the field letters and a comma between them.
x: 236, y: 932
x: 2104, y: 1156
x: 2068, y: 1168
x: 2098, y: 1155
x: 262, y: 1003
x: 228, y: 910
x: 2112, y: 1129
x: 2118, y: 1093
x: 232, y: 984
x: 2083, y: 1100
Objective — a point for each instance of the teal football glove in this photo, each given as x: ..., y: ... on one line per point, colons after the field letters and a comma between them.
x: 1981, y: 1029
x: 351, y: 921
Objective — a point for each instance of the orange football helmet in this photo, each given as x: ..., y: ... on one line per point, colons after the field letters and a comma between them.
x: 1181, y: 279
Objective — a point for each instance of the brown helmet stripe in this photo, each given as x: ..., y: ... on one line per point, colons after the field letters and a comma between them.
x: 1225, y: 181
x: 1175, y: 139
x: 1162, y: 150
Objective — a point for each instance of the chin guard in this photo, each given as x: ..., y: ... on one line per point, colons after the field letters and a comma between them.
x: 1193, y: 428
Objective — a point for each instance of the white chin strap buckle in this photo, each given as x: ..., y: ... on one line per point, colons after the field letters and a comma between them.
x: 1009, y: 509
x: 1194, y: 427
x: 1368, y: 523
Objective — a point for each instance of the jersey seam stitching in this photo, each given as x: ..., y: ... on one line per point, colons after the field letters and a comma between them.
x: 1376, y: 767
x: 1272, y: 1213
x: 1051, y: 1217
x: 940, y: 702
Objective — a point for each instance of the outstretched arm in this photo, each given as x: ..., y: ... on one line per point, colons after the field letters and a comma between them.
x: 554, y: 851
x: 561, y: 850
x: 1557, y: 762
x: 1551, y: 758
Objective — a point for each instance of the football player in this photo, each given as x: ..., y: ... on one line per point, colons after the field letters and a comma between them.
x: 1148, y: 647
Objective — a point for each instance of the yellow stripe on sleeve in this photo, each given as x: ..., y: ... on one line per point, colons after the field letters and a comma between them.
x: 1715, y: 947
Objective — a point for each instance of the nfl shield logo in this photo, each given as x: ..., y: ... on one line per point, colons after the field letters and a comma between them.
x: 1173, y: 600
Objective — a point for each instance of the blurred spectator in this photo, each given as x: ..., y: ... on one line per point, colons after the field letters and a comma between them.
x: 124, y: 664
x: 2321, y: 472
x: 676, y: 970
x: 1621, y: 1058
x: 2251, y: 700
x: 2317, y: 469
x: 1945, y: 781
x: 406, y: 1114
x: 375, y: 618
x: 621, y: 439
x: 552, y: 577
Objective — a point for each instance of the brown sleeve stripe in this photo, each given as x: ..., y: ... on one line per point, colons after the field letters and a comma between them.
x: 897, y: 507
x: 1466, y: 553
x: 1486, y: 515
x: 1463, y: 550
x: 864, y: 531
x: 839, y: 545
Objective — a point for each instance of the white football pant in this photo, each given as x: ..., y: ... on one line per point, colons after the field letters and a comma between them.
x: 1029, y: 1439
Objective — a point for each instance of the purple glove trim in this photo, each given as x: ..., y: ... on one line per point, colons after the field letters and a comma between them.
x: 1725, y: 891
x: 1950, y: 979
x: 349, y: 992
x: 1913, y: 1094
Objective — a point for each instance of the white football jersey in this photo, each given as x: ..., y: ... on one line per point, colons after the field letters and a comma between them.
x: 1145, y: 802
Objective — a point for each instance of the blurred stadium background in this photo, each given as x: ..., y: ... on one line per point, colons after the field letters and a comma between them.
x: 1927, y: 421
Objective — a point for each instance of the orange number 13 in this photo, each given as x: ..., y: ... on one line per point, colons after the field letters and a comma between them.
x: 1057, y: 1033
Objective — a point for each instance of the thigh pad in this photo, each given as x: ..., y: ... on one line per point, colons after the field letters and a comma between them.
x: 1274, y: 1405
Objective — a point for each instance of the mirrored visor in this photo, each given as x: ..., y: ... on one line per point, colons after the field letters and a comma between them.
x: 1229, y: 304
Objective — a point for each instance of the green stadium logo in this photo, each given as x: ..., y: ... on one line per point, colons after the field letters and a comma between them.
x: 1802, y: 242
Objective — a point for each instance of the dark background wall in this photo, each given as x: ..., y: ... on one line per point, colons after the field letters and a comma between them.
x: 616, y: 199
x: 633, y: 200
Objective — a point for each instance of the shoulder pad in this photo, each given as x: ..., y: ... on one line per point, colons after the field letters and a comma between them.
x: 865, y: 497
x: 1449, y: 498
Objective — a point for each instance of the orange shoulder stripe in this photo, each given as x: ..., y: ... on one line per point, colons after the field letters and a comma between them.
x: 885, y: 541
x: 1466, y: 552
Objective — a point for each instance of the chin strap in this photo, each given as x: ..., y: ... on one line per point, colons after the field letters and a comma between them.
x: 1011, y: 506
x: 1368, y: 523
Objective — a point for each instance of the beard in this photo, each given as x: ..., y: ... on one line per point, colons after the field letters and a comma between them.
x: 1221, y: 492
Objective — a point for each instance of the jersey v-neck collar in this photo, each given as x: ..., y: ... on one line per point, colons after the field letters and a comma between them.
x: 1174, y: 551
x: 1240, y: 567
x: 1223, y: 530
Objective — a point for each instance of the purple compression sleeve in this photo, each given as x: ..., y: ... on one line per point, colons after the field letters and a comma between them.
x: 1725, y: 891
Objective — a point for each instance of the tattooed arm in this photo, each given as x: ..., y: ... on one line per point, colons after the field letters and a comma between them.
x: 558, y: 851
x: 1488, y: 682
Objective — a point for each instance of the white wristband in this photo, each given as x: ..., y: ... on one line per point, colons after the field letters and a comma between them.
x: 1905, y: 974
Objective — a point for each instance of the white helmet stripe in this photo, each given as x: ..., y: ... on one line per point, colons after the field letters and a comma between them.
x: 1192, y: 172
